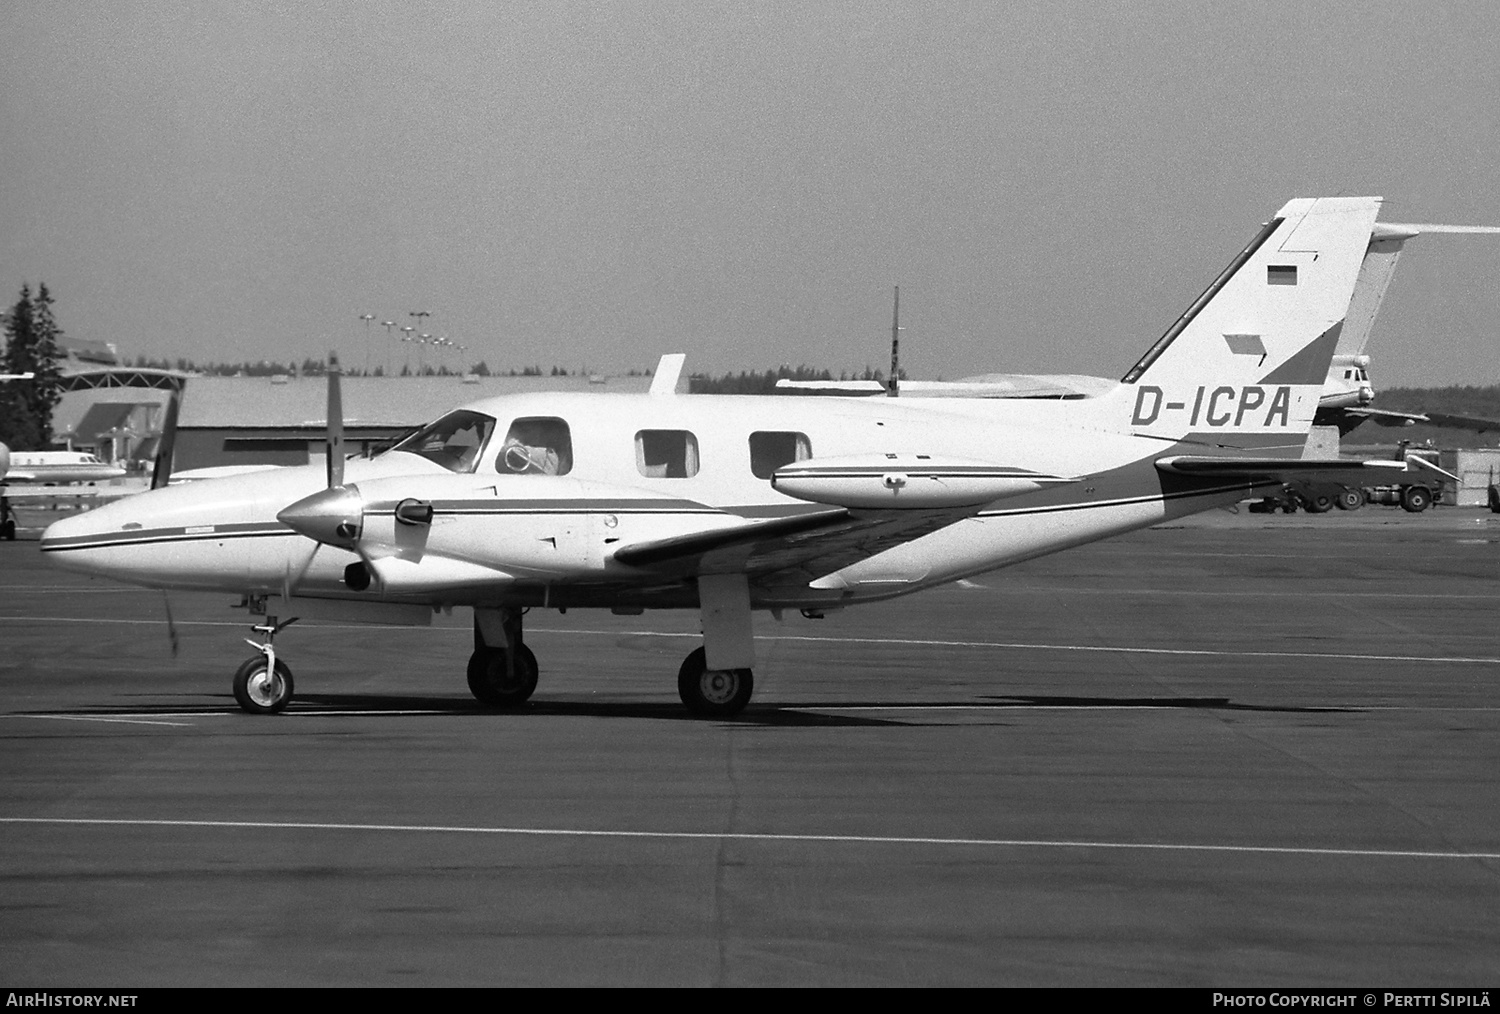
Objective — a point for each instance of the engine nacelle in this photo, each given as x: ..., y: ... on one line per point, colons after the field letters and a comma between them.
x: 906, y: 480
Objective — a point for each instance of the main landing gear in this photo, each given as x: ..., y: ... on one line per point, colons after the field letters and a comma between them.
x: 713, y: 693
x: 263, y: 685
x: 715, y: 681
x: 502, y: 670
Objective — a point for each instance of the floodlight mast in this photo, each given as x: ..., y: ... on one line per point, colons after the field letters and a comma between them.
x: 892, y: 388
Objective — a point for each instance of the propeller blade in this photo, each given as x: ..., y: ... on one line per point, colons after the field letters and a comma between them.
x: 335, y: 423
x: 161, y: 472
x: 289, y: 582
x: 166, y: 602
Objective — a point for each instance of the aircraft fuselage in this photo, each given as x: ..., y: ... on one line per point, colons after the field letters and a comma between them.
x: 639, y: 468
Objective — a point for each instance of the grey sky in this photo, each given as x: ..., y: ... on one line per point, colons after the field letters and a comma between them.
x: 594, y: 184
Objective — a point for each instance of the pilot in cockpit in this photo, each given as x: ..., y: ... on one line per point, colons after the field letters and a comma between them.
x: 530, y: 449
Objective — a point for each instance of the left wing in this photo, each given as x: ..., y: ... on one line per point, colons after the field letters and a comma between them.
x: 790, y: 550
x: 872, y: 502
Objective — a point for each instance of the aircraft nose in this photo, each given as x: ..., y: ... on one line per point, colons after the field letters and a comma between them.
x: 72, y: 542
x: 334, y: 516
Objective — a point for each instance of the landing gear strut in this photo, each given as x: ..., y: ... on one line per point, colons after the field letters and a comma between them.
x: 263, y: 685
x: 502, y: 670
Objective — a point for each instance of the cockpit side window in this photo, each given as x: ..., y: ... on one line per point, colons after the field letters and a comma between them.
x: 454, y: 441
x: 536, y: 445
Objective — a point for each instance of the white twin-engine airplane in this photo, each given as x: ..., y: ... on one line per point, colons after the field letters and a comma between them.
x: 730, y: 504
x: 40, y: 467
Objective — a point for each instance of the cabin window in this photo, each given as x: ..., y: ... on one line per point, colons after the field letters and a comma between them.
x: 454, y: 441
x: 536, y: 445
x: 769, y: 451
x: 666, y: 454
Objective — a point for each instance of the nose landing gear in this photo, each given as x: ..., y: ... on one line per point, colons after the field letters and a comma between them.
x: 263, y: 685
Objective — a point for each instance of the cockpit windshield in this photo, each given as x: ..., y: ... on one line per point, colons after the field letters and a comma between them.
x: 454, y: 441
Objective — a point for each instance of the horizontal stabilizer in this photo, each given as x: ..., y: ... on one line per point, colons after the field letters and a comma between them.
x: 1273, y: 468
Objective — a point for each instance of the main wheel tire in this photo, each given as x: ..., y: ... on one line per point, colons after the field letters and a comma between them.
x: 492, y: 684
x: 8, y: 530
x: 1416, y: 499
x: 1320, y: 504
x: 260, y: 693
x: 1351, y: 499
x: 713, y: 693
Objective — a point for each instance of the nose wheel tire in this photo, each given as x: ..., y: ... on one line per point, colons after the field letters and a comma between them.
x: 494, y: 683
x: 713, y: 693
x: 260, y: 691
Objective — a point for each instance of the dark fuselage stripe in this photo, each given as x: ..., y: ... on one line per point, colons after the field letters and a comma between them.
x: 153, y: 538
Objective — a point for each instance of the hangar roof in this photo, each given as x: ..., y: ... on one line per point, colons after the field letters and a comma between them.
x: 261, y: 402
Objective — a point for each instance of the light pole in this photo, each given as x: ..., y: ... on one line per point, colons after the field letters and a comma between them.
x: 388, y: 324
x: 406, y: 333
x: 367, y: 317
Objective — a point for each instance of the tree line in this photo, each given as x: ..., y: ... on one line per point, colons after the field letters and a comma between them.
x: 32, y: 345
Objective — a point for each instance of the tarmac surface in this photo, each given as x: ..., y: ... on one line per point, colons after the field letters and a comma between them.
x: 1246, y: 750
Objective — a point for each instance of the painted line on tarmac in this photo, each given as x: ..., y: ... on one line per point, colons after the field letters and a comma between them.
x: 92, y: 718
x: 84, y: 589
x: 153, y: 718
x: 1121, y: 649
x: 898, y: 641
x: 1026, y: 706
x: 789, y: 839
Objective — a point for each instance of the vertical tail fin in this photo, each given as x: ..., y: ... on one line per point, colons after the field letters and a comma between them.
x: 1244, y: 365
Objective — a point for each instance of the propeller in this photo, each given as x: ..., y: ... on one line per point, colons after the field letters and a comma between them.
x: 335, y: 424
x: 166, y: 601
x: 310, y: 516
x: 161, y: 472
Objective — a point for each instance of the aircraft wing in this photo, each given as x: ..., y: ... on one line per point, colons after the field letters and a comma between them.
x: 1463, y: 422
x: 990, y: 385
x: 29, y: 494
x: 1384, y: 417
x: 791, y: 550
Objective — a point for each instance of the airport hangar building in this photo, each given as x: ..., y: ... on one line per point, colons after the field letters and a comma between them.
x: 283, y: 420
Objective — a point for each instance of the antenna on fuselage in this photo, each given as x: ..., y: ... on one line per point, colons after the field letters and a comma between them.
x: 892, y: 387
